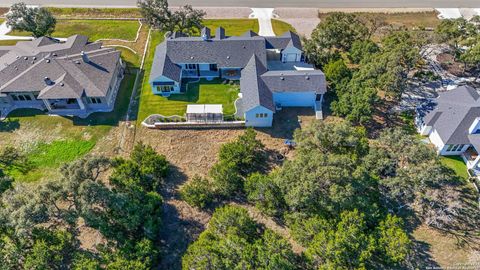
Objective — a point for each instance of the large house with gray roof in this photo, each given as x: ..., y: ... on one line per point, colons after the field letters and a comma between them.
x: 72, y: 78
x: 271, y: 70
x: 453, y: 125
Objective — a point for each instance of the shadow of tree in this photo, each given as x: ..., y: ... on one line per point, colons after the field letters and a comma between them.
x: 420, y: 257
x: 178, y: 230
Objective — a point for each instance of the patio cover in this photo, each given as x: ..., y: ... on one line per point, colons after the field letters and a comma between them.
x: 204, y: 108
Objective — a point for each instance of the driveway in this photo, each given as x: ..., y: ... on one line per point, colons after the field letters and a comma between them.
x: 264, y: 16
x: 4, y: 30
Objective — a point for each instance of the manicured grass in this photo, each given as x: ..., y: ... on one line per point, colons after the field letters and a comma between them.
x: 456, y: 163
x: 153, y: 104
x: 8, y: 42
x: 96, y: 12
x: 130, y: 57
x: 205, y: 92
x: 94, y: 29
x: 233, y: 27
x: 280, y: 27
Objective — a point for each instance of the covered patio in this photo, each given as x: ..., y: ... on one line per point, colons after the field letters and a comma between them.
x: 204, y: 113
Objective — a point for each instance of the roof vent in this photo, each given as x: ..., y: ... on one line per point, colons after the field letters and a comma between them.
x: 48, y: 81
x: 48, y: 60
x: 25, y: 58
x: 307, y: 78
x: 34, y: 58
x: 228, y: 56
x: 77, y: 62
x: 282, y: 78
x: 54, y: 54
x: 191, y: 57
x: 62, y: 84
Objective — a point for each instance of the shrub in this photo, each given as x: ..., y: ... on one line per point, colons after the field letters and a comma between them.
x: 198, y: 192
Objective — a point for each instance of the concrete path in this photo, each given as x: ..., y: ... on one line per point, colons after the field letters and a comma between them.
x: 4, y: 30
x: 264, y: 16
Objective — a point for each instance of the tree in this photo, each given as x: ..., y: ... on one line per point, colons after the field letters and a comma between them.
x: 393, y: 242
x: 198, y: 192
x: 158, y: 16
x: 233, y: 240
x: 237, y: 160
x: 336, y: 73
x: 266, y: 195
x: 188, y: 20
x: 348, y: 246
x: 362, y: 49
x: 38, y: 21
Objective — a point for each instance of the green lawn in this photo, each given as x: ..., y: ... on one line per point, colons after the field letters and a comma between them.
x: 8, y: 42
x: 94, y: 29
x: 233, y: 27
x: 205, y: 92
x: 154, y: 104
x: 456, y: 163
x: 280, y: 27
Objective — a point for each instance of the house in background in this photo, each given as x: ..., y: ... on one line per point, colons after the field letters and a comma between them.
x: 453, y: 126
x: 74, y: 78
x: 271, y: 70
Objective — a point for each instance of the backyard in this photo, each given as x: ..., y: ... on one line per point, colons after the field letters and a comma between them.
x: 154, y: 104
x: 457, y: 164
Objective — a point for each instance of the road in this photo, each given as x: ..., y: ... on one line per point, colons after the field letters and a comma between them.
x: 266, y: 3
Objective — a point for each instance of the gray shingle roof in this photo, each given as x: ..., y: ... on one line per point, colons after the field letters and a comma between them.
x: 254, y: 91
x: 163, y: 66
x: 295, y: 81
x: 26, y: 65
x: 288, y: 39
x: 454, y: 114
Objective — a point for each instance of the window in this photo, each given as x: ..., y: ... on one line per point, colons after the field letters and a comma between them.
x: 94, y: 100
x: 21, y: 97
x: 164, y: 88
x: 261, y: 115
x: 455, y: 147
x: 191, y: 66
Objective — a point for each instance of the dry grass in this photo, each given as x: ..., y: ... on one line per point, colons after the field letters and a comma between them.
x: 406, y: 19
x: 445, y: 249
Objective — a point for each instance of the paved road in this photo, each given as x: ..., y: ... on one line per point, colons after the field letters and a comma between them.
x: 268, y: 3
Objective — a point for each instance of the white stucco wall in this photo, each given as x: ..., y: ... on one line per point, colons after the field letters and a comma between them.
x: 295, y: 99
x: 252, y: 121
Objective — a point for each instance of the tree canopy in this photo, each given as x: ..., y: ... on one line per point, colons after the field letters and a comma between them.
x: 38, y: 21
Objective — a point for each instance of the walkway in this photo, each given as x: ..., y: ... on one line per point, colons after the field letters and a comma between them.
x: 264, y: 16
x: 4, y: 30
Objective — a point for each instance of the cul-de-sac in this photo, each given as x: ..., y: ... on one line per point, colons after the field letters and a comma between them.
x: 296, y: 135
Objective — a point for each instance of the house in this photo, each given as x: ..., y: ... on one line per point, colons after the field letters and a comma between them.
x: 271, y: 70
x: 74, y: 78
x: 453, y: 126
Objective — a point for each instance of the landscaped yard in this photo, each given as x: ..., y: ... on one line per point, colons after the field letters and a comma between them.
x: 280, y: 27
x: 94, y: 29
x: 457, y: 164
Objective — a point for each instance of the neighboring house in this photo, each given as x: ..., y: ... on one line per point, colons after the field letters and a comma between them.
x: 453, y: 126
x: 271, y: 70
x: 74, y: 78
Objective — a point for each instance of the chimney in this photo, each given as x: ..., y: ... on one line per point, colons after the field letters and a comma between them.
x: 205, y: 33
x: 220, y: 33
x: 85, y: 57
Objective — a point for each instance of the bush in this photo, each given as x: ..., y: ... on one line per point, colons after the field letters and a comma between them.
x: 198, y: 192
x: 266, y: 195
